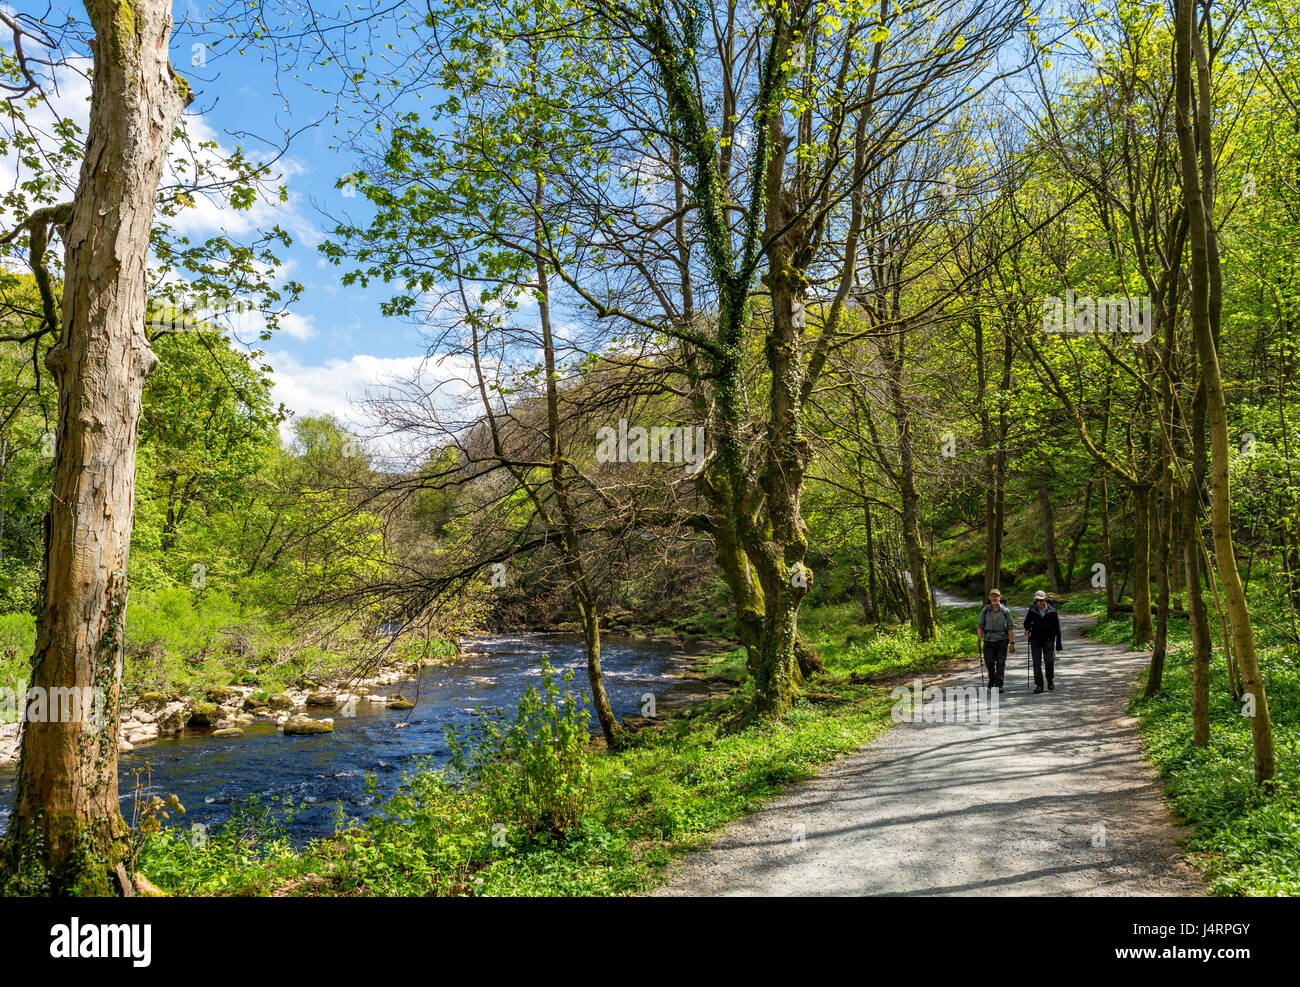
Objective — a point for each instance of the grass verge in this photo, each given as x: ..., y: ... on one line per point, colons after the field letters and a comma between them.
x: 1244, y: 838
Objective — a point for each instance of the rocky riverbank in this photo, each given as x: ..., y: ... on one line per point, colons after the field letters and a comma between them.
x: 310, y: 709
x: 225, y: 711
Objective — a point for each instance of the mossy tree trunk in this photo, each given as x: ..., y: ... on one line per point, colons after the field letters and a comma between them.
x: 1195, y: 146
x: 754, y: 497
x: 781, y: 542
x: 1143, y: 630
x: 1197, y: 610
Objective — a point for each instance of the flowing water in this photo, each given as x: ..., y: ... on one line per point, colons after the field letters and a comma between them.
x: 324, y: 774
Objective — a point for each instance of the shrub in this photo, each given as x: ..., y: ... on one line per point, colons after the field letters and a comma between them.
x: 531, y: 770
x: 17, y: 642
x: 20, y: 588
x: 240, y: 856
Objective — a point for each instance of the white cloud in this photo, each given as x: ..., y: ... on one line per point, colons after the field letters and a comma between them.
x: 299, y: 327
x: 341, y: 387
x: 67, y: 96
x: 334, y: 387
x: 212, y: 213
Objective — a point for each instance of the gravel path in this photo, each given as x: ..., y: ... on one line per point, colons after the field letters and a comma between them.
x: 1016, y: 808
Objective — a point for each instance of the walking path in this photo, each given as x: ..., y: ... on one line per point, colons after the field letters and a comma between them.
x: 1056, y: 799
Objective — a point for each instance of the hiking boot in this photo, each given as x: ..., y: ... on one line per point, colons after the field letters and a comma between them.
x: 1049, y: 684
x: 1037, y: 689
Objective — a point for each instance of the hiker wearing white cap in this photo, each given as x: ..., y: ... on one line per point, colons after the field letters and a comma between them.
x: 996, y: 629
x: 1043, y: 632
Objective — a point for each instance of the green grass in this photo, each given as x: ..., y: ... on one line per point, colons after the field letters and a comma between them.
x: 1092, y: 604
x: 181, y: 641
x: 17, y: 642
x: 957, y: 562
x: 1245, y: 839
x: 849, y: 647
x: 641, y: 807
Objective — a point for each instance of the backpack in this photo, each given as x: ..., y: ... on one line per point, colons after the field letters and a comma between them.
x: 1008, y: 621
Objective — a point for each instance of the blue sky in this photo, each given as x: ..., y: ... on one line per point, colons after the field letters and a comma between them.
x: 334, y: 347
x: 335, y: 343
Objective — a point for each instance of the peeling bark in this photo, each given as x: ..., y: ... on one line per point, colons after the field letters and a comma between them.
x: 67, y: 831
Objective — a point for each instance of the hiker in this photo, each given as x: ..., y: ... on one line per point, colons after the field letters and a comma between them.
x: 1043, y: 631
x: 996, y: 630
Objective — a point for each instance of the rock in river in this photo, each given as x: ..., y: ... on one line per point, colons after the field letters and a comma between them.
x: 306, y: 725
x: 171, y: 719
x: 204, y: 714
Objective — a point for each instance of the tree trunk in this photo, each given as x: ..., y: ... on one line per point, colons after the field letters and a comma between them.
x: 67, y: 833
x: 1076, y: 536
x: 1159, y: 648
x: 746, y: 591
x: 1107, y: 557
x: 870, y: 611
x: 4, y: 463
x: 871, y: 562
x: 1291, y: 543
x: 1202, y: 646
x: 768, y: 529
x: 1054, y: 580
x: 1142, y: 629
x: 779, y: 547
x: 995, y: 451
x: 574, y: 563
x: 923, y: 602
x: 992, y: 529
x: 994, y: 519
x: 779, y: 550
x: 1205, y: 276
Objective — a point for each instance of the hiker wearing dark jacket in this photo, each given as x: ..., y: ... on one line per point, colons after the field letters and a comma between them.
x: 1043, y: 631
x: 996, y: 629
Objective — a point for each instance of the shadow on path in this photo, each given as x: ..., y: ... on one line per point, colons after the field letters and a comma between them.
x: 1054, y: 799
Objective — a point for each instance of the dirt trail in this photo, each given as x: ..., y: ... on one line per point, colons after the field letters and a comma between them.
x: 956, y: 809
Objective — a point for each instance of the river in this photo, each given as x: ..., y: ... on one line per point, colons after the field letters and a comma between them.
x: 325, y: 774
